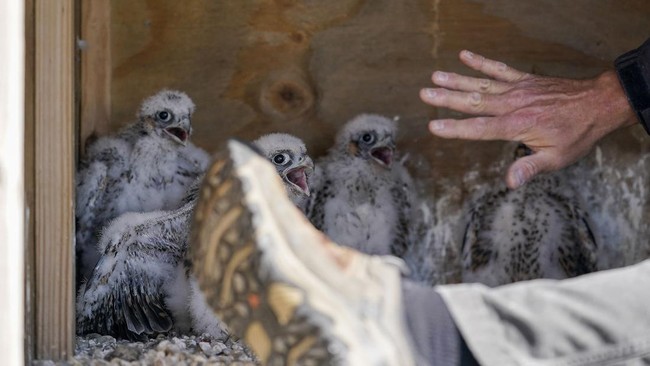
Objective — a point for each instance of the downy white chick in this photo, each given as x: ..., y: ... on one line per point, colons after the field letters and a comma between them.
x: 362, y: 198
x: 142, y: 285
x: 536, y: 231
x: 146, y: 166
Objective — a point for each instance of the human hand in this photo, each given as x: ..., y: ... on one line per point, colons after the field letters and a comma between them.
x: 560, y: 120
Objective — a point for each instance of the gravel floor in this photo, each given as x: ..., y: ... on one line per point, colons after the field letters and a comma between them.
x: 96, y: 349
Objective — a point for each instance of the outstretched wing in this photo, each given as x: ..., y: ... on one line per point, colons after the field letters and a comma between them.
x: 125, y: 295
x: 97, y: 184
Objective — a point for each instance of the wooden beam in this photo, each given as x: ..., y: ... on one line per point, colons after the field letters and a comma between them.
x: 54, y: 175
x: 30, y: 206
x: 12, y: 208
x: 95, y: 69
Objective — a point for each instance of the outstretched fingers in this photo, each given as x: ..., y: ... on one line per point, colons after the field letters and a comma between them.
x: 492, y: 68
x: 478, y: 128
x: 466, y: 102
x: 455, y: 81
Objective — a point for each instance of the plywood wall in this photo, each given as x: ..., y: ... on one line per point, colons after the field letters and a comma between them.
x: 305, y: 67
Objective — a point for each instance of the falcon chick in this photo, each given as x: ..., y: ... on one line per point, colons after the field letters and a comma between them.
x: 146, y: 166
x: 142, y: 285
x: 536, y: 231
x: 362, y: 198
x: 289, y: 156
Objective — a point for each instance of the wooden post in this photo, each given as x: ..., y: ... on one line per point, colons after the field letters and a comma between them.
x: 95, y: 69
x: 30, y: 206
x: 12, y: 207
x: 54, y: 178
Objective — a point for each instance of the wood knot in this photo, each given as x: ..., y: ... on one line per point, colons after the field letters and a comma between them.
x: 297, y: 37
x: 286, y: 97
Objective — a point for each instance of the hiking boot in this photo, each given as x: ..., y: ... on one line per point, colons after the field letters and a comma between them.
x: 282, y: 286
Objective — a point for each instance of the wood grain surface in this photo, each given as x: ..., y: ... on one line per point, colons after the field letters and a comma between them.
x: 306, y: 67
x: 54, y: 178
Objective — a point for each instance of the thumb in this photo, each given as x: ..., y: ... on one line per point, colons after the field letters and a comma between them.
x: 526, y: 168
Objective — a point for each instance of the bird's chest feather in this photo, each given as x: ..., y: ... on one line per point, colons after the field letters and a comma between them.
x: 152, y: 182
x: 361, y: 214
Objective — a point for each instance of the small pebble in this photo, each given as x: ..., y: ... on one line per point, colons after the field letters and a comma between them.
x: 205, y: 347
x: 124, y: 352
x: 218, y: 348
x: 103, y: 350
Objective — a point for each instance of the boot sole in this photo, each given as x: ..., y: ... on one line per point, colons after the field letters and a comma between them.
x: 257, y: 303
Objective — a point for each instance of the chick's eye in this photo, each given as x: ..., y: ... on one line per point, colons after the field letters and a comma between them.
x: 164, y: 116
x: 368, y: 138
x: 281, y: 159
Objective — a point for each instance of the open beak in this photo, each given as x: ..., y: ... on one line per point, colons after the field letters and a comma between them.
x: 177, y: 134
x: 383, y: 155
x: 297, y: 176
x: 180, y: 132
